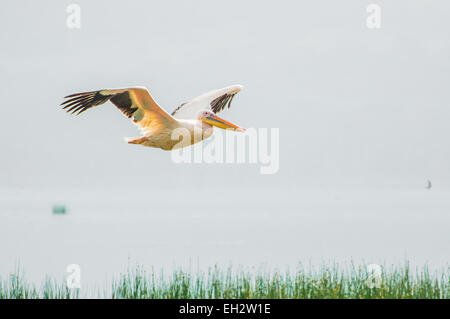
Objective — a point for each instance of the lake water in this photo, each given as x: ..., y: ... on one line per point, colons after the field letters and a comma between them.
x: 105, y: 231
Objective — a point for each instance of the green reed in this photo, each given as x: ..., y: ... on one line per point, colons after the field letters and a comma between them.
x: 329, y: 281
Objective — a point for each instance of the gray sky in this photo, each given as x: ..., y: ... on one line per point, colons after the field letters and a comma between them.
x: 353, y: 105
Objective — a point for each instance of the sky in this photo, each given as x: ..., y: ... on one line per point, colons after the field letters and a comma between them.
x: 353, y: 105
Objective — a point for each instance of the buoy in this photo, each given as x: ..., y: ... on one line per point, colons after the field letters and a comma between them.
x: 59, y: 209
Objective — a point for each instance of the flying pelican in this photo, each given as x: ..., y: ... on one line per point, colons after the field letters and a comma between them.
x: 156, y: 125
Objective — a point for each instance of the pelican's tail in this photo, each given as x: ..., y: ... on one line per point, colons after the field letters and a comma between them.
x: 134, y: 140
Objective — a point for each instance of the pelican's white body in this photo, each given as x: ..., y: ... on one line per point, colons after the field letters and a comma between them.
x: 182, y: 134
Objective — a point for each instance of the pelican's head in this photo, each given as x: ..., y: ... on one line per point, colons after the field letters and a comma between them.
x: 212, y: 119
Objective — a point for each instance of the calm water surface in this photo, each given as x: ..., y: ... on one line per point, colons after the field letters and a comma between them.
x: 105, y: 231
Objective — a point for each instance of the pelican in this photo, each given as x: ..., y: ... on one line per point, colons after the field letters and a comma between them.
x: 156, y: 125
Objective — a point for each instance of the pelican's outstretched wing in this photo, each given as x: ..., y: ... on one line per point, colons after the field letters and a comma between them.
x: 136, y: 103
x: 215, y: 101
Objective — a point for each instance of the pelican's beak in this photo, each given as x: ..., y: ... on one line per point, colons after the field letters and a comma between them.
x: 214, y: 120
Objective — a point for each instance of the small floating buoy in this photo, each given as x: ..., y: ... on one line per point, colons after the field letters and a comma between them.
x: 59, y: 209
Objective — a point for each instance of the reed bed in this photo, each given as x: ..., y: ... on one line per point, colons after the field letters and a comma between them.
x: 331, y: 282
